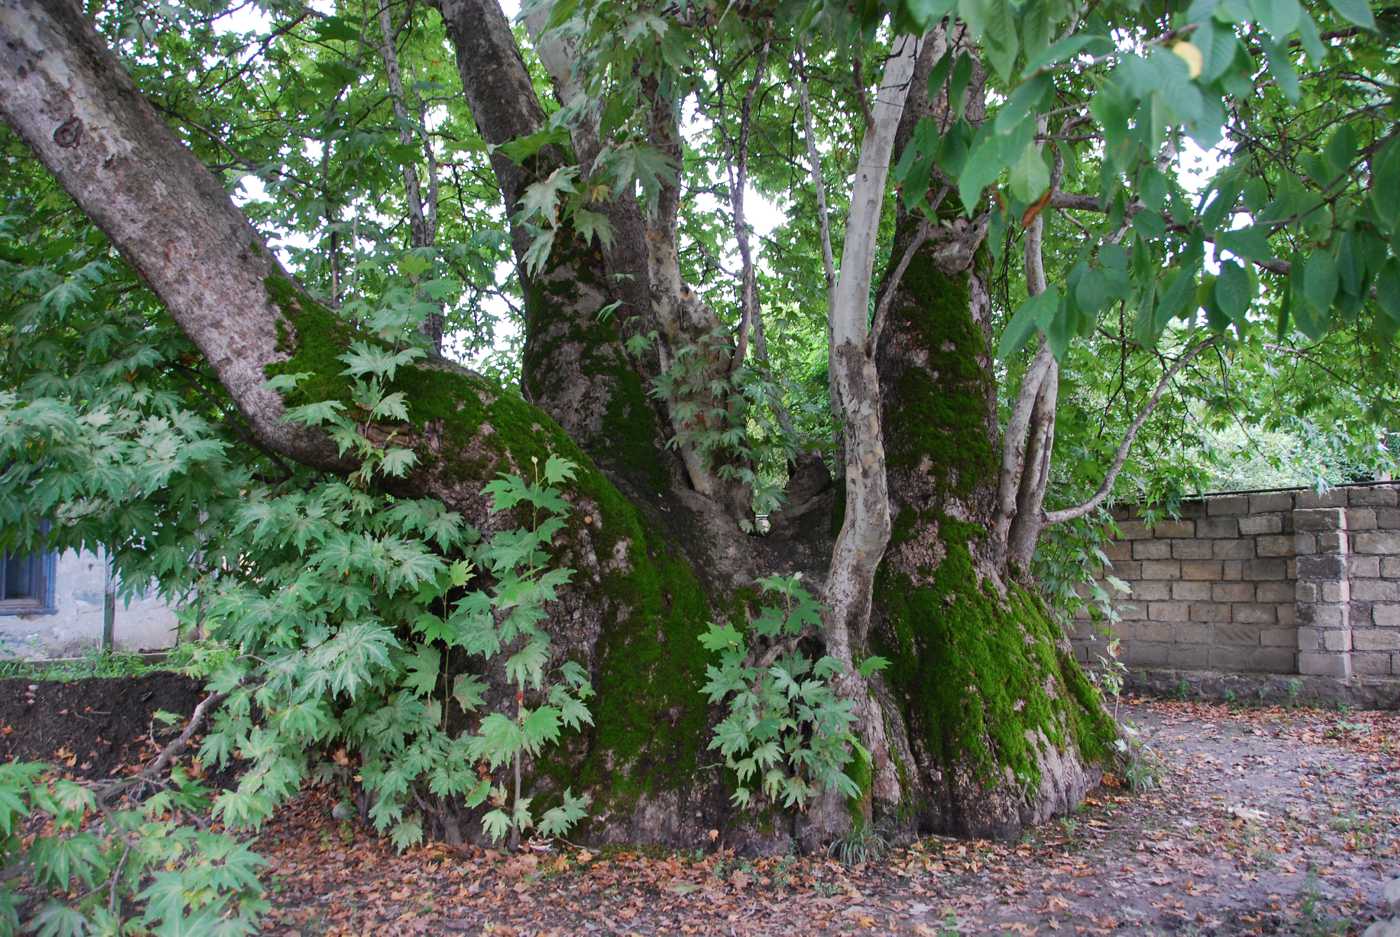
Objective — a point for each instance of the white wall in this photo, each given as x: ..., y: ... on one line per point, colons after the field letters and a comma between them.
x: 75, y: 627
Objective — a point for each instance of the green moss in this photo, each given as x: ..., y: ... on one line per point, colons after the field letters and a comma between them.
x: 973, y: 668
x: 942, y: 405
x: 862, y: 773
x: 649, y: 713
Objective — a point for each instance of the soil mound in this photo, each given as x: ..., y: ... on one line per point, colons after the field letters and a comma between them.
x: 92, y: 728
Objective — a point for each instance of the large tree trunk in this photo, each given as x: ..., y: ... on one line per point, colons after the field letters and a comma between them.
x: 987, y: 722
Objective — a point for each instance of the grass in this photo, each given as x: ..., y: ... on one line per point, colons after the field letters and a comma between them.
x: 91, y: 665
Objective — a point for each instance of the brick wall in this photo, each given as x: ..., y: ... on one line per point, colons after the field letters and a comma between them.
x: 1281, y: 582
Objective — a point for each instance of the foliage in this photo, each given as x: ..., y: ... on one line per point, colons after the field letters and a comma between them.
x: 786, y: 733
x: 356, y: 621
x: 86, y: 866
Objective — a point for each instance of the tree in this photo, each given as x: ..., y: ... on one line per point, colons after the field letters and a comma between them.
x: 1039, y: 142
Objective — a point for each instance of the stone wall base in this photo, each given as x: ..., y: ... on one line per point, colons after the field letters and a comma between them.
x: 1302, y: 689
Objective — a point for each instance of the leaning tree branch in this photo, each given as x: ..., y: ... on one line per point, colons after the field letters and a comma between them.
x: 1121, y: 456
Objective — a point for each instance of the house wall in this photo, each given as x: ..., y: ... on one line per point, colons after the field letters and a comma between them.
x: 1276, y: 582
x: 75, y: 627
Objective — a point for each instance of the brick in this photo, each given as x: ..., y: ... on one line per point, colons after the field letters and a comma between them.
x: 1323, y: 616
x: 1145, y: 655
x: 1371, y: 665
x: 1309, y: 639
x: 1151, y: 550
x: 1375, y: 590
x: 1230, y: 504
x: 1210, y: 612
x: 1252, y: 613
x: 1386, y: 616
x: 1189, y: 656
x: 1192, y: 509
x: 1232, y: 549
x: 1232, y: 591
x: 1127, y: 569
x: 1374, y: 496
x: 1213, y: 528
x: 1371, y: 541
x: 1274, y: 592
x: 1287, y: 614
x: 1272, y: 501
x: 1232, y: 658
x: 1334, y: 591
x: 1375, y: 639
x: 1395, y: 664
x: 1390, y: 567
x: 1361, y: 518
x: 1276, y: 660
x: 1160, y: 569
x: 1191, y: 591
x: 1320, y: 519
x: 1176, y: 528
x: 1336, y: 498
x: 1150, y: 631
x: 1133, y: 611
x: 1232, y: 570
x: 1331, y: 541
x: 1279, y: 637
x: 1261, y: 524
x: 1155, y: 591
x: 1322, y: 664
x: 1338, y: 640
x: 1274, y: 545
x: 1168, y: 611
x: 1306, y: 591
x: 1264, y: 569
x: 1193, y: 633
x: 1191, y: 549
x: 1237, y: 634
x: 1290, y: 569
x: 1364, y: 567
x: 1388, y: 518
x: 1133, y: 530
x: 1305, y: 544
x: 1321, y: 566
x: 1118, y: 550
x: 1200, y: 569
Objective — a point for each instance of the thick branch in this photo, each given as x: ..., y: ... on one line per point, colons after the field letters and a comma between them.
x: 70, y: 100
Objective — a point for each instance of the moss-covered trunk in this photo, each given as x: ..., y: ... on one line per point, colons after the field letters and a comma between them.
x: 1003, y: 728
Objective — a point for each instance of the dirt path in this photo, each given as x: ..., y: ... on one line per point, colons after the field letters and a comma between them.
x: 1266, y: 822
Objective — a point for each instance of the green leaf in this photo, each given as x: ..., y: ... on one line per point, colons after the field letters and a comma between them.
x: 540, y: 728
x: 1320, y: 282
x: 1032, y: 315
x: 1030, y: 177
x: 423, y: 668
x: 1234, y: 290
x: 1355, y: 11
x: 469, y: 692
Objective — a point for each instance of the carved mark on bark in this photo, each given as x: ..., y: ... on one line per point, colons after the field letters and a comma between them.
x: 69, y: 133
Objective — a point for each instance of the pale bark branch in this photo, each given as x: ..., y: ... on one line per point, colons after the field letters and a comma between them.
x: 814, y: 161
x: 1121, y: 456
x: 738, y: 180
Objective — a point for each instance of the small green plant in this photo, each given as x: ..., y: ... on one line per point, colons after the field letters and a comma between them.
x: 95, y: 663
x: 1183, y: 689
x: 787, y: 732
x: 1294, y: 692
x: 92, y: 859
x: 863, y: 843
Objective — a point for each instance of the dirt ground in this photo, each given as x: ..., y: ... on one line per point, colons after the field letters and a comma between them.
x: 1267, y: 821
x: 92, y: 728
